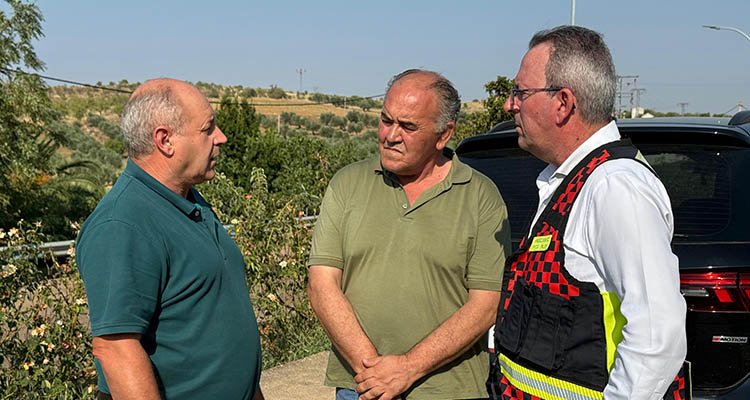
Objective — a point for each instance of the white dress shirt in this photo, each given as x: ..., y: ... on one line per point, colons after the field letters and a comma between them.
x: 618, y: 237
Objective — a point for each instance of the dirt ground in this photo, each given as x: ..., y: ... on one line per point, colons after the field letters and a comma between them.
x: 301, y: 379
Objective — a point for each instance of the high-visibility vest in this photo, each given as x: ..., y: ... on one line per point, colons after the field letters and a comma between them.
x: 555, y: 336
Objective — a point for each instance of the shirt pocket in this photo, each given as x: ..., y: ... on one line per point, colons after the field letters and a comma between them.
x: 536, y: 325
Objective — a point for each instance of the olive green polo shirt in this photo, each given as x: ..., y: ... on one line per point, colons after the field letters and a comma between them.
x: 407, y: 268
x: 163, y: 266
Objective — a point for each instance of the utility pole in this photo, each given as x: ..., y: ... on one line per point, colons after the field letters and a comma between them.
x: 626, y: 80
x: 682, y: 106
x: 573, y: 12
x: 300, y: 71
x: 635, y: 100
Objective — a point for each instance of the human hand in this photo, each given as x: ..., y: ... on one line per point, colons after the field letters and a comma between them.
x: 384, y: 378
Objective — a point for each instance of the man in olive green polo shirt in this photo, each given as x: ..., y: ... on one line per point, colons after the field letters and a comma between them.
x: 407, y: 257
x: 169, y: 306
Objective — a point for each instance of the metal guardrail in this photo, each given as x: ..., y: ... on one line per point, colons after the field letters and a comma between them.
x: 58, y: 249
x: 61, y: 248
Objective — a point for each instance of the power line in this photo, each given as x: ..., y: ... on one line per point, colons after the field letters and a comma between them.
x: 18, y: 71
x: 99, y: 87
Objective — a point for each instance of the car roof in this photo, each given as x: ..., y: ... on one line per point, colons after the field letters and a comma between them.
x: 717, y: 130
x: 675, y: 121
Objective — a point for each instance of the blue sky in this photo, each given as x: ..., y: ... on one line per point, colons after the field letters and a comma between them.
x: 352, y: 47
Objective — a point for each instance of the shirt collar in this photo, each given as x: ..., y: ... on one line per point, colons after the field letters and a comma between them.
x: 459, y: 173
x: 606, y: 134
x: 188, y: 207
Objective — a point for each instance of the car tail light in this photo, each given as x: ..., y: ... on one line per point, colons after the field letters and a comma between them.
x: 716, y: 291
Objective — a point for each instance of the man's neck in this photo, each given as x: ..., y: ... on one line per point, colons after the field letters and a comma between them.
x: 433, y: 173
x: 161, y: 171
x: 572, y: 136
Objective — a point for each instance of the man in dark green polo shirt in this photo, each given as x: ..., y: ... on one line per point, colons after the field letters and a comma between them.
x: 169, y: 306
x: 407, y: 257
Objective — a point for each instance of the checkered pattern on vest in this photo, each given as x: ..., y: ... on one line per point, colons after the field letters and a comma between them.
x: 544, y: 268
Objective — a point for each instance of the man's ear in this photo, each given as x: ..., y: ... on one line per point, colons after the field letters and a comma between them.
x: 566, y: 105
x: 162, y: 137
x: 446, y: 135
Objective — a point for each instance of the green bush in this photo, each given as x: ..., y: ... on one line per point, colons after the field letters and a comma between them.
x: 45, y: 345
x: 45, y: 348
x: 275, y: 241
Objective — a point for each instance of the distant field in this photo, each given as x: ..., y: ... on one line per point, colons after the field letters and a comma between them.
x: 301, y: 107
x: 81, y: 101
x: 473, y: 106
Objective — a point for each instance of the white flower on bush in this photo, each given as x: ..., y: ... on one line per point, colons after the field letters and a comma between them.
x: 8, y: 270
x: 50, y: 346
x: 39, y: 331
x: 283, y: 264
x: 273, y: 297
x: 81, y: 301
x: 13, y: 232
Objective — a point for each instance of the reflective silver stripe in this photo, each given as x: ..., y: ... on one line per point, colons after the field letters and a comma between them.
x: 549, y: 388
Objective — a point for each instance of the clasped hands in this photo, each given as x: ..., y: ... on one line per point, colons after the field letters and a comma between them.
x: 385, y: 377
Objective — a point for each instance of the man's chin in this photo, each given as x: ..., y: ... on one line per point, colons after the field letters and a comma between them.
x: 392, y: 166
x: 522, y: 144
x: 210, y: 174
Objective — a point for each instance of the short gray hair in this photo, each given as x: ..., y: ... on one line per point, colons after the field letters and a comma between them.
x: 450, y: 101
x: 144, y: 112
x: 581, y: 61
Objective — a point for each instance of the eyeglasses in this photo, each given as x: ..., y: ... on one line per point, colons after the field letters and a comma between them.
x: 523, y: 94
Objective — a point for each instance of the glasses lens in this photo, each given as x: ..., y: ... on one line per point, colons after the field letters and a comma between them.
x: 514, y: 92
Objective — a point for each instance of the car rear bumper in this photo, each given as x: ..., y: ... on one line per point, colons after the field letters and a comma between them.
x: 740, y: 392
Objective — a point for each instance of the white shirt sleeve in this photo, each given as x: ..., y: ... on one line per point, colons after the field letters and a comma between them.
x: 628, y: 233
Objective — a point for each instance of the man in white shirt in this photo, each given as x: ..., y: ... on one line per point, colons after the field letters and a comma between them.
x: 591, y: 305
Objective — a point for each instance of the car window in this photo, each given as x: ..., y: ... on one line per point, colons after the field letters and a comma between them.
x: 514, y: 172
x: 698, y: 181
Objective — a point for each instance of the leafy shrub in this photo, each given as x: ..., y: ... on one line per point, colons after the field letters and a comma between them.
x: 248, y: 92
x: 354, y: 116
x: 108, y: 128
x: 275, y: 242
x: 354, y: 127
x: 45, y: 349
x: 326, y: 118
x: 276, y: 92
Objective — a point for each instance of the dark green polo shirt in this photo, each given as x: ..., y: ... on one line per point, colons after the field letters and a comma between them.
x: 407, y: 268
x: 163, y: 266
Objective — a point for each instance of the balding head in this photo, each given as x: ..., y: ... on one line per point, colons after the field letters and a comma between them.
x: 448, y: 99
x: 158, y: 102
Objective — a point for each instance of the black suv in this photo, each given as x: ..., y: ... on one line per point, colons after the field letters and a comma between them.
x: 705, y: 166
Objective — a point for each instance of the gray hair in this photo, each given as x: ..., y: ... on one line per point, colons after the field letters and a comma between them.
x: 450, y: 101
x: 581, y: 61
x: 144, y: 112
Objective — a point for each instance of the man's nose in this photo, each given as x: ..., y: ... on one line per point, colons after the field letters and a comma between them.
x: 510, y: 105
x: 220, y: 138
x: 393, y: 133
